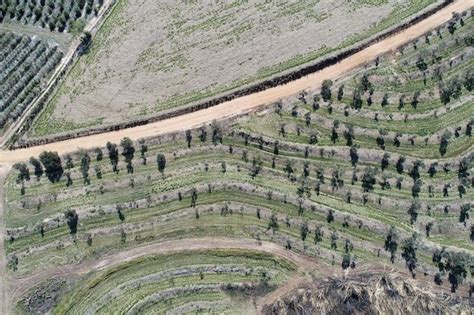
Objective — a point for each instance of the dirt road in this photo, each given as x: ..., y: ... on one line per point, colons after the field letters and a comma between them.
x: 22, y: 285
x: 251, y: 102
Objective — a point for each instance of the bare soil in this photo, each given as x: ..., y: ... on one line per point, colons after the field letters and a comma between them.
x: 247, y: 103
x: 156, y: 55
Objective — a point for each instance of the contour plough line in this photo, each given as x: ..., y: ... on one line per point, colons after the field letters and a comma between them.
x: 22, y: 285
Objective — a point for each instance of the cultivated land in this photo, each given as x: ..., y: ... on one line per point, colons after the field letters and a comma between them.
x: 153, y: 56
x: 229, y: 216
x: 34, y: 36
x: 25, y: 66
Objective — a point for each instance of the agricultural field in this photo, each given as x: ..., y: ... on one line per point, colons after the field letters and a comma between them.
x: 368, y: 173
x: 26, y: 63
x: 151, y: 57
x: 39, y: 40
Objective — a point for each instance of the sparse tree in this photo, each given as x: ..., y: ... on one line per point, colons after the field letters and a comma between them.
x: 318, y: 235
x: 194, y: 197
x: 273, y: 224
x: 143, y: 151
x: 304, y: 230
x: 326, y: 90
x: 330, y: 216
x: 113, y: 155
x: 98, y: 154
x: 385, y: 161
x: 334, y: 238
x: 85, y: 164
x: 443, y: 145
x: 161, y: 162
x: 189, y: 138
x: 52, y: 165
x: 346, y: 261
x: 409, y: 248
x: 349, y: 136
x: 38, y: 168
x: 340, y: 93
x: 413, y: 211
x: 391, y: 243
x: 128, y: 152
x: 464, y: 213
x: 384, y: 100
x: 23, y: 171
x: 72, y: 219
x: 368, y: 180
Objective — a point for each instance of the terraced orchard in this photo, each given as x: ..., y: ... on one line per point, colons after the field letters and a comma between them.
x: 370, y: 172
x: 55, y: 15
x: 26, y: 63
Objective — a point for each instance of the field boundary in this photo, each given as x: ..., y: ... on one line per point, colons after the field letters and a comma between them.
x: 257, y: 87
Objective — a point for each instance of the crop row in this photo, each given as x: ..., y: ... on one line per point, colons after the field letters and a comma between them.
x: 59, y: 15
x: 26, y: 65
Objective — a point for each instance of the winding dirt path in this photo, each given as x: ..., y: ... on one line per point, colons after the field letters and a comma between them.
x: 22, y: 285
x: 250, y: 102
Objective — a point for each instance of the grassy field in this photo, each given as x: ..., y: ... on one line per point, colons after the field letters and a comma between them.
x: 274, y: 177
x: 168, y: 65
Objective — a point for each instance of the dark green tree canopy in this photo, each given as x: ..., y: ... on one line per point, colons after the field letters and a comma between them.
x: 52, y: 165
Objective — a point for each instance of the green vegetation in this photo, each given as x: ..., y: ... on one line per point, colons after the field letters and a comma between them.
x: 26, y: 64
x: 352, y: 178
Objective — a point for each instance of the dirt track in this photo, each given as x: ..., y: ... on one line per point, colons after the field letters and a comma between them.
x: 250, y: 102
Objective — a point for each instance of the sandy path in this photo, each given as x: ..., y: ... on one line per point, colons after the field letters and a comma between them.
x: 251, y: 102
x: 22, y: 285
x: 4, y: 298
